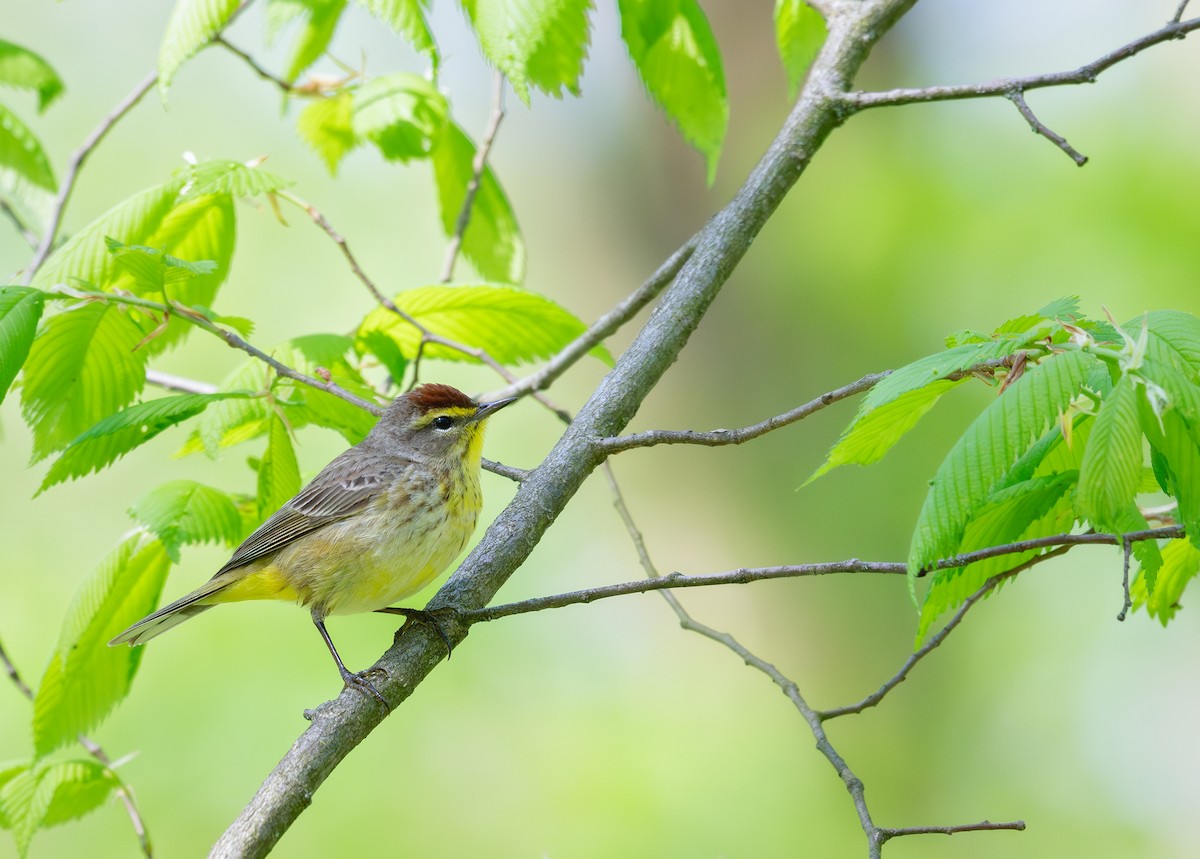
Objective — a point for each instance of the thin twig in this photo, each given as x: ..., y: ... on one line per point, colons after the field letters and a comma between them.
x: 230, y: 338
x: 14, y: 675
x: 886, y: 834
x: 935, y: 640
x: 250, y: 61
x: 478, y: 165
x: 27, y: 234
x: 179, y: 383
x: 78, y: 157
x: 745, y: 575
x: 855, y: 101
x: 1018, y: 98
x: 601, y: 328
x: 1127, y: 544
x: 1179, y: 12
x: 719, y: 437
x: 852, y: 782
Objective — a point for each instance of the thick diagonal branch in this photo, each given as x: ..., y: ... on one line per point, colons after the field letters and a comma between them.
x: 338, y: 726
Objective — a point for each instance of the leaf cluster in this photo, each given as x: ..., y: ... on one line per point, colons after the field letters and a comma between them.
x: 1090, y: 421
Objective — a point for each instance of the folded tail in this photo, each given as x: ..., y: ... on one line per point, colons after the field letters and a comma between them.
x: 171, y: 615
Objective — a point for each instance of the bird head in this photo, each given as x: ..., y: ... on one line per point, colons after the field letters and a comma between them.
x: 437, y: 420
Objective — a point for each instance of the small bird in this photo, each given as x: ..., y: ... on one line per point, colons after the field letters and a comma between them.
x: 377, y: 524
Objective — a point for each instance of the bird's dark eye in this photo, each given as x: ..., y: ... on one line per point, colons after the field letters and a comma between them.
x: 443, y: 422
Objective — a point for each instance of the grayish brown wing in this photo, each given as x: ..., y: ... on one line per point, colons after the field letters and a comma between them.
x: 344, y: 487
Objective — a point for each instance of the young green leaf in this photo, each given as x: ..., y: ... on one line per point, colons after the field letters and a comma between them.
x: 1181, y: 455
x: 327, y: 126
x: 119, y: 433
x: 874, y: 432
x: 931, y: 368
x: 492, y: 241
x: 311, y: 355
x: 232, y: 178
x: 988, y: 449
x: 320, y: 19
x: 1173, y: 338
x: 86, y: 678
x: 678, y: 60
x: 23, y: 69
x: 407, y: 17
x: 20, y: 310
x: 512, y: 325
x: 278, y: 471
x: 22, y: 153
x: 538, y: 42
x: 1180, y: 564
x: 1112, y: 462
x: 192, y: 25
x: 81, y: 368
x: 799, y: 33
x: 75, y: 788
x: 85, y: 256
x: 1038, y: 507
x: 184, y: 512
x: 402, y: 114
x: 21, y: 807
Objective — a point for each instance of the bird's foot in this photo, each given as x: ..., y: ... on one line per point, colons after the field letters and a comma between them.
x: 359, y: 681
x: 439, y: 619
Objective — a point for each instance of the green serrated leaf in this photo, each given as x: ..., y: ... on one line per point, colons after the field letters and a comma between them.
x: 385, y: 349
x: 22, y: 153
x: 232, y: 178
x: 313, y: 354
x: 677, y: 57
x: 1112, y: 462
x: 86, y: 678
x: 492, y: 241
x: 512, y: 325
x: 278, y: 471
x: 988, y: 449
x: 407, y: 17
x: 184, y: 512
x: 119, y: 433
x: 1037, y: 507
x: 1066, y: 307
x: 931, y: 368
x: 20, y: 310
x: 21, y: 807
x: 1180, y: 564
x: 402, y: 114
x: 1182, y: 460
x: 75, y: 788
x: 319, y: 20
x: 85, y: 256
x: 874, y: 432
x: 1173, y: 339
x: 327, y: 126
x: 538, y: 42
x: 192, y: 25
x: 152, y: 270
x: 81, y: 368
x: 799, y: 33
x: 23, y: 69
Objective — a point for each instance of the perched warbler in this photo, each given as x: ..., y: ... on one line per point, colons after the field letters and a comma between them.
x: 377, y: 524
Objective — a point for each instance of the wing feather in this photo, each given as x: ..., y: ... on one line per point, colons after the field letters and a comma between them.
x: 344, y: 487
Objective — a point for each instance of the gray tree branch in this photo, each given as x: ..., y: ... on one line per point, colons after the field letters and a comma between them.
x: 339, y: 725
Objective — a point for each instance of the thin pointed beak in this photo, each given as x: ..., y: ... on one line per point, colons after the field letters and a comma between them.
x: 486, y: 410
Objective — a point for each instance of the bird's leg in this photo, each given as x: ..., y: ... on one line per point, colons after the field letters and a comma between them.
x: 426, y: 617
x: 358, y: 681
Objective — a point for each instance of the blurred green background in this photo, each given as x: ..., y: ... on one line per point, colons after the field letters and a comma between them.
x: 605, y: 730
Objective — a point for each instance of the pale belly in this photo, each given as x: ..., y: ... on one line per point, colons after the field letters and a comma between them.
x: 374, y: 560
